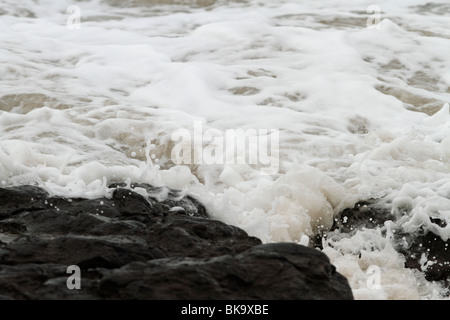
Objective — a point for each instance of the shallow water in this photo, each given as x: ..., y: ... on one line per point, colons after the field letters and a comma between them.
x: 357, y: 106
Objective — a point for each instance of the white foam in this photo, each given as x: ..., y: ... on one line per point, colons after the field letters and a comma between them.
x: 442, y: 117
x: 83, y: 108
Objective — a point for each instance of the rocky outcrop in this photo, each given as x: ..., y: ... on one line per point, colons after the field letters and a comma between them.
x: 424, y: 250
x: 144, y: 242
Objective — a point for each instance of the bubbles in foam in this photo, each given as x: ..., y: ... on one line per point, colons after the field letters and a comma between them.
x: 344, y: 97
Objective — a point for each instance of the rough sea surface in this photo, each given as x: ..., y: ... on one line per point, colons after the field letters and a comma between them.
x: 92, y: 92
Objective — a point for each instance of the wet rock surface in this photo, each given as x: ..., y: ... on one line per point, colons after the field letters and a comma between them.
x: 144, y: 242
x: 424, y: 251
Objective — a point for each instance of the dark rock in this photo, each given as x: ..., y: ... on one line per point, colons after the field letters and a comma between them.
x: 15, y: 199
x: 200, y: 237
x: 160, y: 199
x: 365, y: 214
x: 437, y: 253
x: 42, y: 281
x: 85, y: 251
x: 370, y: 214
x: 268, y: 272
x: 155, y: 243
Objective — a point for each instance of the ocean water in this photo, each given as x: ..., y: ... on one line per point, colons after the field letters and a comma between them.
x: 339, y: 102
